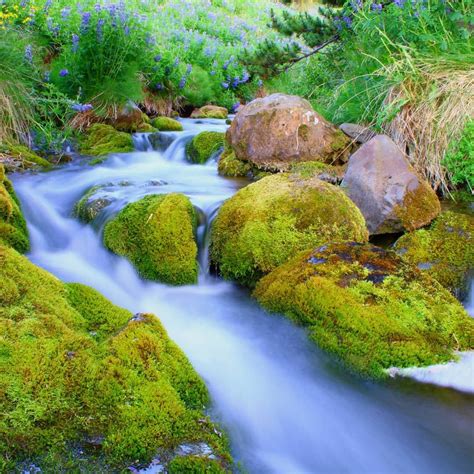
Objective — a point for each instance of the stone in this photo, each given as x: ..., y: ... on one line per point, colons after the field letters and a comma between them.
x: 359, y: 133
x: 276, y: 131
x: 392, y: 197
x: 210, y: 111
x: 160, y: 141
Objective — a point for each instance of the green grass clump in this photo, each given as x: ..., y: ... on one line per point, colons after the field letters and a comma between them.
x: 167, y: 124
x: 267, y: 222
x: 446, y: 249
x: 368, y: 307
x: 230, y: 165
x: 156, y: 234
x: 13, y: 231
x: 101, y: 140
x: 204, y: 145
x: 74, y: 367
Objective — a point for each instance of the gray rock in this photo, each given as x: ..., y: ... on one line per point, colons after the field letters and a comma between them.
x: 160, y: 141
x: 359, y: 133
x: 387, y: 190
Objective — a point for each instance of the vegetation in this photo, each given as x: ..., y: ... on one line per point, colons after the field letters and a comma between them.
x: 167, y: 124
x: 204, y: 145
x: 285, y: 213
x: 156, y: 234
x: 101, y: 139
x: 368, y: 307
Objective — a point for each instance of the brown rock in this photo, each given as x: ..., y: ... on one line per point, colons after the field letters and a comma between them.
x: 210, y: 111
x: 387, y: 190
x: 359, y: 133
x: 278, y: 130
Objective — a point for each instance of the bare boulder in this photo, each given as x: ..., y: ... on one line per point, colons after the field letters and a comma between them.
x: 279, y: 130
x: 387, y: 190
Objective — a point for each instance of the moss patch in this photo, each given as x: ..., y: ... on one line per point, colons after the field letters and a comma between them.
x: 368, y: 307
x: 445, y: 250
x: 13, y: 230
x: 167, y: 124
x: 204, y: 145
x: 100, y: 140
x: 230, y: 165
x: 195, y: 465
x: 17, y: 156
x: 157, y: 235
x: 76, y: 370
x: 267, y: 222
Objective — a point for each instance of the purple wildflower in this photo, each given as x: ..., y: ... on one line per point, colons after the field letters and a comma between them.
x: 75, y: 43
x: 86, y: 18
x: 225, y: 85
x: 81, y: 108
x: 376, y: 7
x: 63, y: 72
x: 29, y: 54
x: 157, y: 58
x: 182, y: 83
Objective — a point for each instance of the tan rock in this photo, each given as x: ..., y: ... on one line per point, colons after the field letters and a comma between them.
x: 210, y: 111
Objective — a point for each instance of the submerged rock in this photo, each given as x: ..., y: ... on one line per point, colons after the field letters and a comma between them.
x: 391, y: 196
x: 276, y: 131
x: 368, y: 307
x: 445, y: 250
x: 266, y: 223
x: 167, y: 124
x: 160, y: 141
x: 211, y: 112
x: 128, y: 387
x: 91, y: 204
x: 156, y: 234
x: 13, y: 230
x: 204, y: 145
x: 101, y: 139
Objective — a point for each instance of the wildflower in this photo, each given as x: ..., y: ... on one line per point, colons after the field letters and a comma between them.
x: 81, y: 108
x: 47, y: 76
x: 182, y: 83
x: 29, y: 54
x: 399, y: 3
x: 65, y: 12
x: 157, y: 58
x: 159, y: 86
x: 347, y: 20
x: 376, y: 7
x: 225, y: 85
x: 235, y: 107
x: 75, y: 43
x: 86, y: 18
x: 189, y: 68
x: 63, y: 72
x: 235, y: 82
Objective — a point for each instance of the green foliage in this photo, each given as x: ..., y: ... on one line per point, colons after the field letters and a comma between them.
x: 204, y: 145
x: 156, y: 234
x: 460, y: 158
x: 368, y: 308
x: 230, y: 165
x: 194, y: 465
x: 13, y: 231
x: 166, y: 124
x: 101, y: 139
x: 285, y: 213
x: 445, y: 250
x: 74, y: 367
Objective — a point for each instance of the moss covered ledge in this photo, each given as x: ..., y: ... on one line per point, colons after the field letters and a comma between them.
x: 101, y: 140
x: 86, y: 386
x: 204, y: 145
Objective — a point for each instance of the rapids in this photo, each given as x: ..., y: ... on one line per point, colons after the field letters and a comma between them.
x: 287, y: 407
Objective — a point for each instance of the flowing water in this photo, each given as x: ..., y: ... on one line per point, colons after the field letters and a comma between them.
x: 287, y: 407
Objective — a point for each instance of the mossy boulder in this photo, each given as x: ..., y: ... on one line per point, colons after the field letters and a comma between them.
x: 76, y: 370
x: 131, y: 119
x: 204, y: 145
x: 16, y: 157
x: 167, y: 124
x: 368, y: 307
x: 267, y: 222
x: 157, y: 234
x: 101, y: 140
x: 230, y: 166
x: 13, y: 230
x: 445, y: 250
x: 210, y: 112
x: 91, y: 204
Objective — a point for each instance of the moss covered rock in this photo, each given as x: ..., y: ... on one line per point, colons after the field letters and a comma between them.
x: 157, y: 235
x: 91, y: 204
x: 101, y: 139
x: 266, y: 223
x: 204, y: 145
x: 210, y: 112
x: 131, y: 119
x: 76, y: 370
x: 13, y: 230
x: 15, y: 157
x: 229, y: 165
x: 167, y: 124
x: 195, y: 465
x: 368, y: 307
x: 445, y: 250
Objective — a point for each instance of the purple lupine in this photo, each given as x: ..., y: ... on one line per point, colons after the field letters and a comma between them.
x: 100, y: 29
x: 86, y: 18
x: 376, y: 7
x: 182, y: 82
x: 159, y: 86
x: 75, y: 43
x: 81, y: 108
x: 235, y: 82
x: 225, y: 85
x: 399, y: 3
x: 347, y: 20
x: 63, y: 72
x: 158, y: 58
x: 29, y: 54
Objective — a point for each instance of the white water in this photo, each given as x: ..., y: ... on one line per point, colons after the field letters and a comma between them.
x: 287, y: 407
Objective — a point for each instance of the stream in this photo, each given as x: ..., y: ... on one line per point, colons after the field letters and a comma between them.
x: 287, y: 407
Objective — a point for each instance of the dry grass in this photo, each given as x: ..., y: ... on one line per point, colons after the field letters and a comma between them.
x: 433, y: 103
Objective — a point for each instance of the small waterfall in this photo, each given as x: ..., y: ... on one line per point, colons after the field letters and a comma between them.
x: 142, y: 142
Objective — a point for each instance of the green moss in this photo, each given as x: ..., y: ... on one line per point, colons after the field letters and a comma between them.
x: 157, y: 235
x: 419, y: 207
x: 166, y: 124
x: 24, y: 155
x: 90, y: 205
x: 74, y: 367
x: 195, y: 465
x: 210, y: 112
x: 309, y: 169
x: 146, y: 128
x: 204, y: 145
x: 230, y: 165
x: 267, y: 222
x: 368, y: 307
x: 100, y: 140
x: 13, y: 230
x: 445, y: 250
